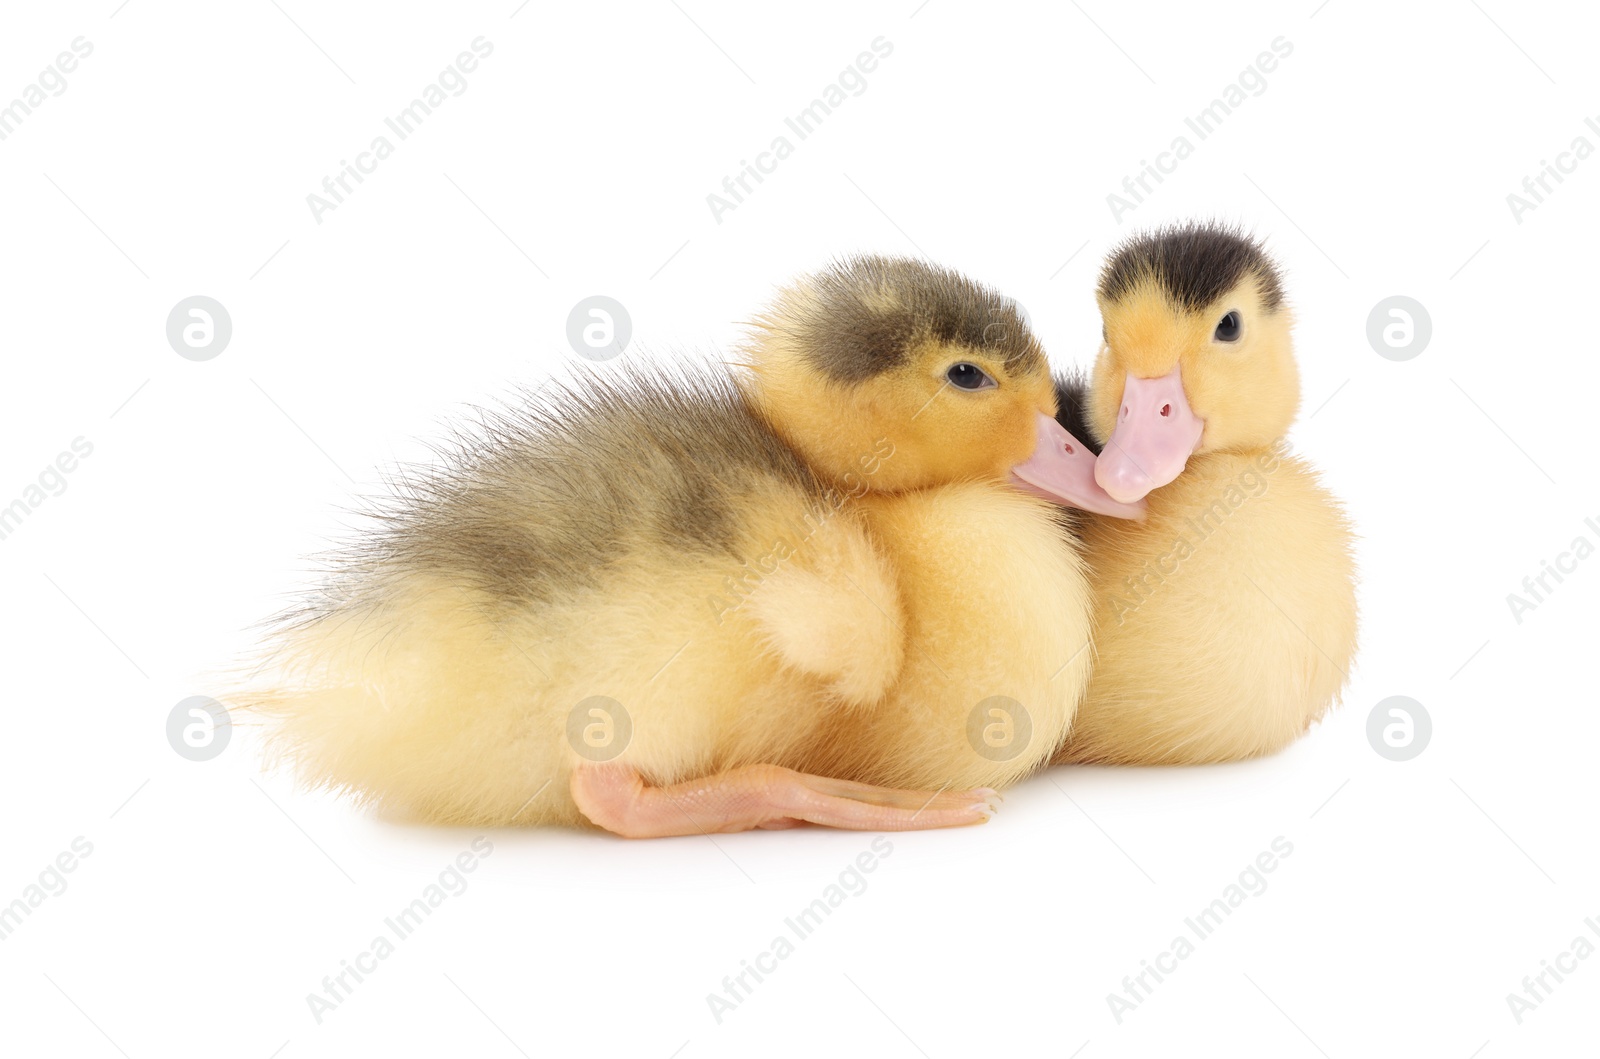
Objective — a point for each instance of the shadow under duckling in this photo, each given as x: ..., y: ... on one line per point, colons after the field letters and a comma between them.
x: 1226, y: 618
x: 702, y: 602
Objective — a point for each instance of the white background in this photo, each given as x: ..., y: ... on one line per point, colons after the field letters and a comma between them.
x: 1376, y: 162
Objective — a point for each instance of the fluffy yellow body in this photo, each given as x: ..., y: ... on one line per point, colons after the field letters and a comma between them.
x: 1226, y: 620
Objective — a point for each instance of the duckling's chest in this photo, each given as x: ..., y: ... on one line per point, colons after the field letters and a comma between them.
x: 989, y: 580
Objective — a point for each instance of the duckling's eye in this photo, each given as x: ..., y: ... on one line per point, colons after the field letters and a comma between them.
x: 1229, y: 327
x: 966, y: 376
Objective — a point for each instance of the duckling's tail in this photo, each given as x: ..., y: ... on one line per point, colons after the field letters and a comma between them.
x: 420, y: 706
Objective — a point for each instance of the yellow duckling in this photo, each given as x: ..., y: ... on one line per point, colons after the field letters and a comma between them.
x: 706, y: 602
x: 1226, y: 618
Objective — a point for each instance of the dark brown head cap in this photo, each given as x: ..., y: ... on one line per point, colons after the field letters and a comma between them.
x: 863, y: 315
x: 1194, y: 263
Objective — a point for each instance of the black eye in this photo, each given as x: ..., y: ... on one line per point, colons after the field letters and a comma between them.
x: 1229, y: 327
x: 966, y: 376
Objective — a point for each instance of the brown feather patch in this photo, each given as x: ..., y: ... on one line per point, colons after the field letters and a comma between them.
x: 862, y: 316
x: 1194, y: 263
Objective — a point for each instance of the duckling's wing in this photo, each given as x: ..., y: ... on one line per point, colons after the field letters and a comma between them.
x: 833, y: 610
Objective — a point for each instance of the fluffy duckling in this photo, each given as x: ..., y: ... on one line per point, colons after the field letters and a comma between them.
x: 1226, y: 618
x: 699, y: 602
x: 929, y: 361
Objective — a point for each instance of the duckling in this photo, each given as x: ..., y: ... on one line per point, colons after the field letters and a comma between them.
x: 1226, y: 618
x: 702, y: 601
x: 989, y: 682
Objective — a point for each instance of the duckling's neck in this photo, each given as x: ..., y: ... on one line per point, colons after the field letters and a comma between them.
x: 837, y: 446
x: 1212, y: 475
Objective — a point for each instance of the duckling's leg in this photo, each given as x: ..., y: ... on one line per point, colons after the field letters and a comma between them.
x: 615, y: 797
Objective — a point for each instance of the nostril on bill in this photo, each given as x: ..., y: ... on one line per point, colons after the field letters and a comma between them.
x: 1166, y: 410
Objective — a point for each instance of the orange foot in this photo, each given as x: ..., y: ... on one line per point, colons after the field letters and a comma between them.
x: 616, y: 798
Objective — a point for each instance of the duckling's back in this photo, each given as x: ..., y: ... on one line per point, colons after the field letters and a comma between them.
x: 543, y: 501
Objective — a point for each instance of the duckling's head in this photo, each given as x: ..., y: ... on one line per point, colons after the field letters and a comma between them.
x: 888, y: 374
x: 1196, y: 355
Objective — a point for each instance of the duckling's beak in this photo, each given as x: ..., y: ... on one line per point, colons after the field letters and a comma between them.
x: 1156, y: 433
x: 1062, y: 470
